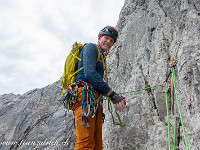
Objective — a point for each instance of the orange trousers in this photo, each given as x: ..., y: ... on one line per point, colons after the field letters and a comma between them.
x: 88, y: 138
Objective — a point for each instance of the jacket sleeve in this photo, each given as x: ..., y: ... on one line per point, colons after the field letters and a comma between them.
x: 90, y: 55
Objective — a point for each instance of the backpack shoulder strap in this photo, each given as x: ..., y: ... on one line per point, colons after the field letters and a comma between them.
x: 99, y: 55
x: 104, y: 63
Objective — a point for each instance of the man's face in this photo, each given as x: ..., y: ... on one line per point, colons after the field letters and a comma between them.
x: 106, y: 42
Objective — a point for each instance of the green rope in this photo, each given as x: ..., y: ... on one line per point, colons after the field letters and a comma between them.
x: 176, y: 99
x: 110, y: 106
x: 174, y: 123
x: 110, y: 110
x: 168, y: 119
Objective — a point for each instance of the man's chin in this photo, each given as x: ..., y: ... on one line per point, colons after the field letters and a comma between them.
x: 105, y: 49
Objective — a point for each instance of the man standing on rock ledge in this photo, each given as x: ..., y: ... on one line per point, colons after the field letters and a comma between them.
x: 91, y: 84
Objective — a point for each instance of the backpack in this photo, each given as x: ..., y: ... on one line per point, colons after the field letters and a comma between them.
x: 71, y: 65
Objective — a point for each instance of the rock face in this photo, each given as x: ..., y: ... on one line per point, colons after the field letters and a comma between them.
x: 36, y: 120
x: 149, y: 34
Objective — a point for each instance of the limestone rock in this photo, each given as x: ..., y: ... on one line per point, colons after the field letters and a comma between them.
x: 149, y: 34
x: 36, y: 120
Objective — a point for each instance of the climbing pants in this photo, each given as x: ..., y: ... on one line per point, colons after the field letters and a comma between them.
x: 88, y: 138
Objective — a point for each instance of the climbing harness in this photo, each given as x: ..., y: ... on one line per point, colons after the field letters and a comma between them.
x: 71, y: 95
x: 89, y: 101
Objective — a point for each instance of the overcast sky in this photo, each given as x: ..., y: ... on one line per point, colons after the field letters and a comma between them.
x: 36, y: 36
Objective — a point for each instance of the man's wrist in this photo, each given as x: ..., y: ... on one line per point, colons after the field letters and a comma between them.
x: 112, y: 94
x: 109, y: 92
x: 115, y: 98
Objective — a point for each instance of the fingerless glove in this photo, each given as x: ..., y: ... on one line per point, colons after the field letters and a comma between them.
x: 115, y: 98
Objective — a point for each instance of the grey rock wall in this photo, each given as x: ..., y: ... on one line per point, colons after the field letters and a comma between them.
x: 36, y: 120
x: 149, y: 34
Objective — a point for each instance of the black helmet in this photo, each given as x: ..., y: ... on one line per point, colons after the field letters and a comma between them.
x: 110, y: 31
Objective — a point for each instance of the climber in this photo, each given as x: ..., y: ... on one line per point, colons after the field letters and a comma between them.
x: 91, y: 83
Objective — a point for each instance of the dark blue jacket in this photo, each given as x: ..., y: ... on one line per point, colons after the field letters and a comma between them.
x: 93, y: 72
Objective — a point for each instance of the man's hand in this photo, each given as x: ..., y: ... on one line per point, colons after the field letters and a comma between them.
x: 120, y: 106
x: 118, y: 101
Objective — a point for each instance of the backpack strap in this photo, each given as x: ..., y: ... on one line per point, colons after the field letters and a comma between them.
x: 99, y: 55
x: 104, y: 63
x: 75, y: 56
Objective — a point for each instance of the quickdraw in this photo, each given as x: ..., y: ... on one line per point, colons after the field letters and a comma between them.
x: 71, y: 95
x: 173, y: 65
x: 89, y: 102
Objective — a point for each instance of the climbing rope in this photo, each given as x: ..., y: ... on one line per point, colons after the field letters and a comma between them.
x: 168, y: 125
x: 176, y: 101
x: 110, y: 106
x: 110, y: 110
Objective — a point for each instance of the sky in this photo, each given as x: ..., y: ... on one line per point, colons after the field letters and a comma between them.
x: 36, y: 37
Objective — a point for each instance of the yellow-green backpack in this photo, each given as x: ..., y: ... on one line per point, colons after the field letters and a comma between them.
x: 70, y: 70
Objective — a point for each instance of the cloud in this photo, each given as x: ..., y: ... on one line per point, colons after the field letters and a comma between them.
x: 36, y: 36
